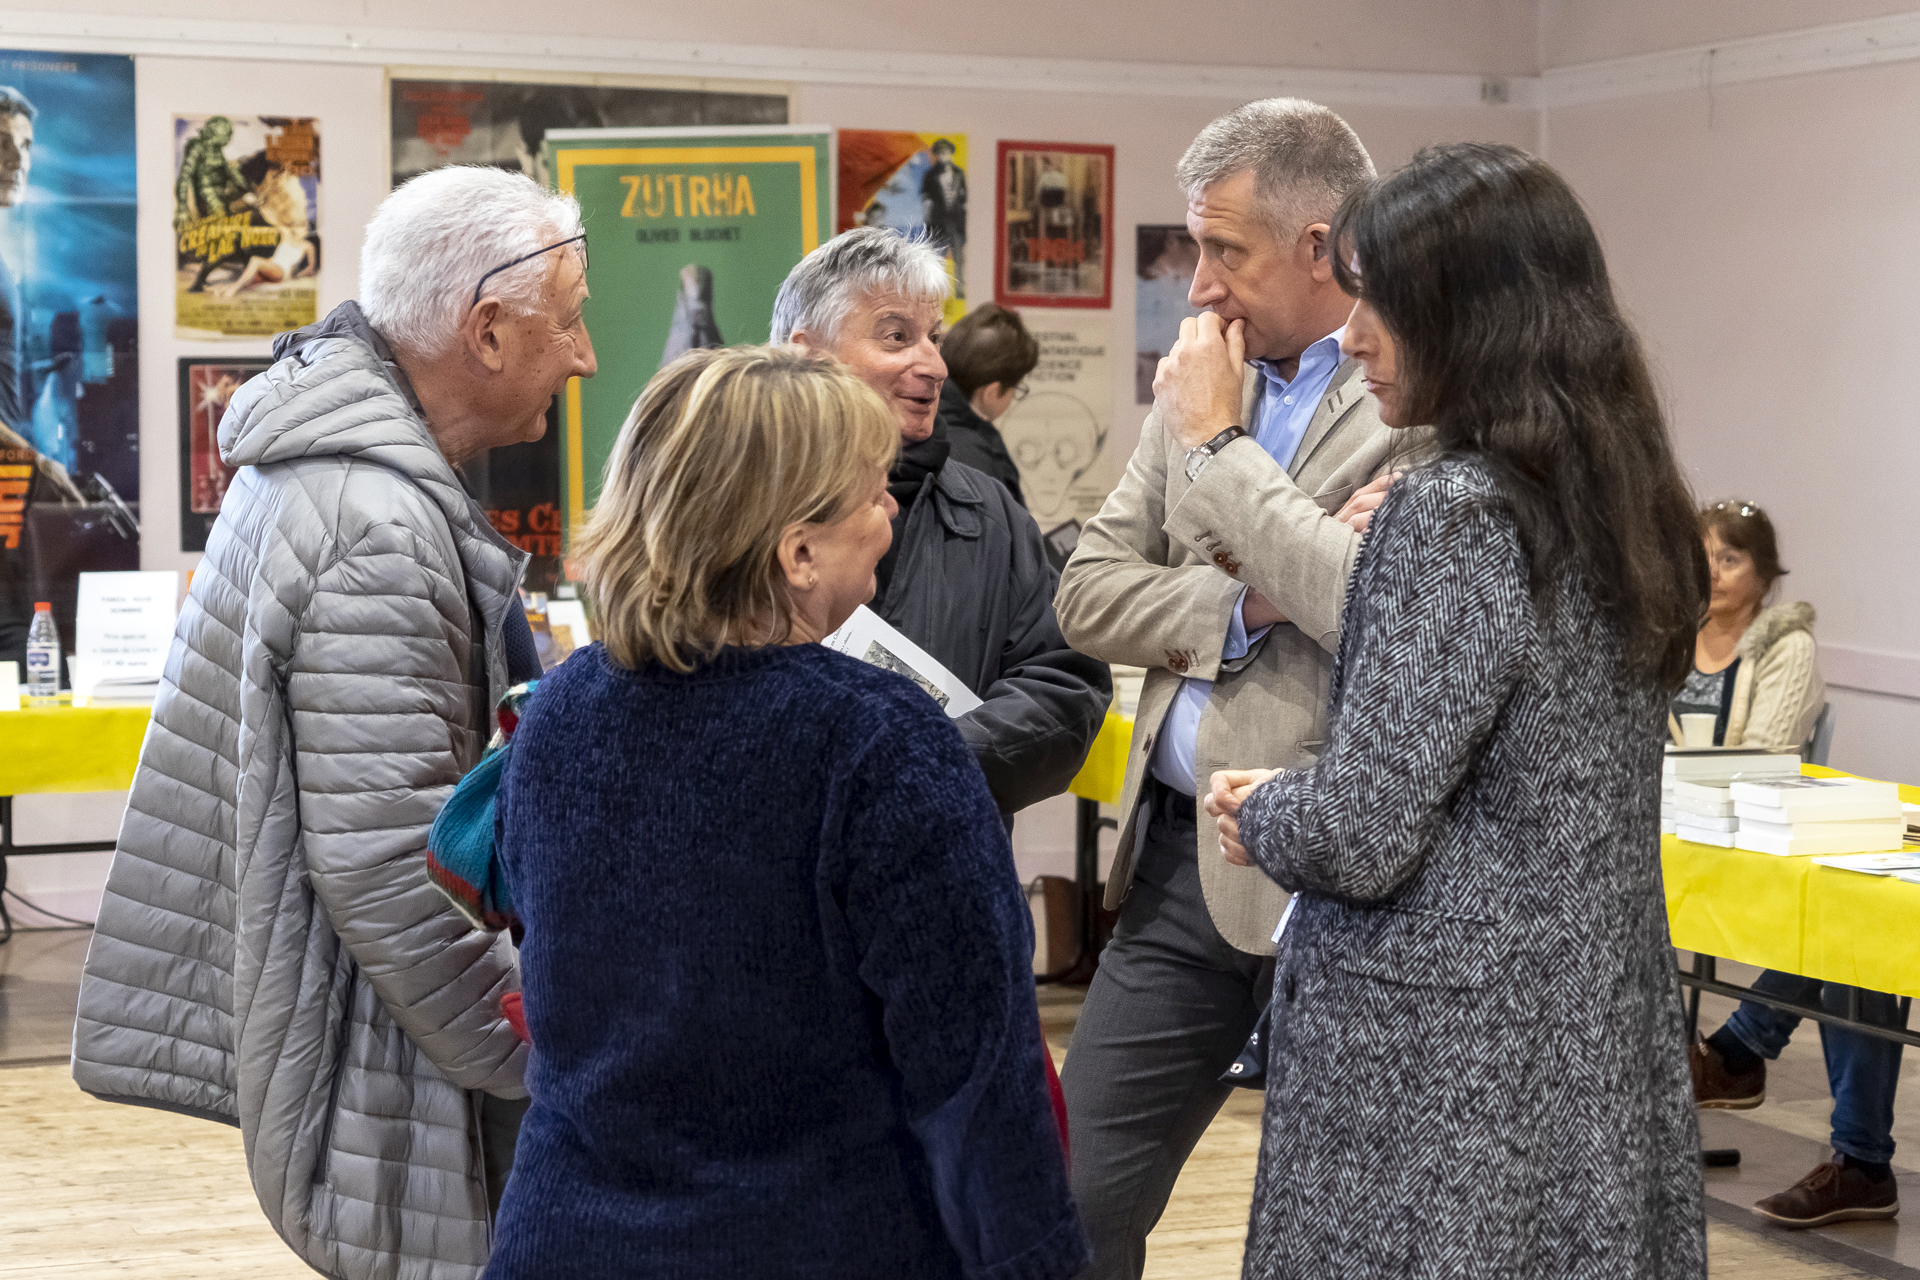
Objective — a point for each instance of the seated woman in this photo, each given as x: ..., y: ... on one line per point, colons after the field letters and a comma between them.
x: 1753, y: 669
x: 1478, y: 1055
x: 777, y: 966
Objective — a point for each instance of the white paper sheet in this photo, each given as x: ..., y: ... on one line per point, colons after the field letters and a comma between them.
x: 868, y: 637
x: 124, y: 627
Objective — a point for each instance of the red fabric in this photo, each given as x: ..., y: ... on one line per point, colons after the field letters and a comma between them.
x: 515, y: 1013
x: 1059, y: 1100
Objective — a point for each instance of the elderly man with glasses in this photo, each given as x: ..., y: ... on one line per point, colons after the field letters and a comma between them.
x: 270, y: 952
x: 967, y: 577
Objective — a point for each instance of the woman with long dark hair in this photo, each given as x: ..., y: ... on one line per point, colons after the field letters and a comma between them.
x: 1477, y: 1062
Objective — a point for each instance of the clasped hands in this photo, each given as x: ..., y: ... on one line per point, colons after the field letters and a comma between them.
x: 1228, y: 790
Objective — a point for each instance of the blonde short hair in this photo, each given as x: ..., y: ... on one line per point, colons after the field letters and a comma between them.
x: 723, y: 450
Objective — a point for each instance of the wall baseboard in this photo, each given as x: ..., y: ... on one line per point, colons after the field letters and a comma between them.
x: 1894, y: 38
x: 1895, y: 675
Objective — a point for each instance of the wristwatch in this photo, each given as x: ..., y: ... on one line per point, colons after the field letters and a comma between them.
x: 1198, y: 458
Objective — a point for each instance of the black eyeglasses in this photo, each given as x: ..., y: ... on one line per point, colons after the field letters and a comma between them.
x: 1021, y: 392
x: 580, y: 240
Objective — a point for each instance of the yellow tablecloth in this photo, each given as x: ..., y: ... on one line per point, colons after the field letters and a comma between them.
x: 68, y: 748
x: 1778, y: 913
x: 1105, y: 771
x: 1788, y: 914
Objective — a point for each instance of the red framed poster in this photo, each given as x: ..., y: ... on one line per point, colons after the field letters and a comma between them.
x: 1053, y: 225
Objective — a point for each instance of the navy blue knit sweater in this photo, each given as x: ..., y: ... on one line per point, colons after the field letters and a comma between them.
x: 777, y: 972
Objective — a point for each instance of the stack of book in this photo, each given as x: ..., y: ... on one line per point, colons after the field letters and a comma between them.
x: 1793, y: 816
x: 1715, y: 767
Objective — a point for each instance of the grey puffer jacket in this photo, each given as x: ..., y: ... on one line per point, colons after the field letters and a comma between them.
x: 270, y: 952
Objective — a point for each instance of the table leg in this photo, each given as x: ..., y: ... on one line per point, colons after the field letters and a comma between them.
x: 1087, y: 825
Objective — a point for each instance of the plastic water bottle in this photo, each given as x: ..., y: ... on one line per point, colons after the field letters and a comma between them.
x: 43, y: 657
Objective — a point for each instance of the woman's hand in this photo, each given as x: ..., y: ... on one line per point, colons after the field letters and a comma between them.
x: 1229, y: 790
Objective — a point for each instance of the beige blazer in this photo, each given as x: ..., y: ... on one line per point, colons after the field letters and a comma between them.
x: 1153, y: 584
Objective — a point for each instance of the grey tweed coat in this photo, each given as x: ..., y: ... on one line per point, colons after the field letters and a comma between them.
x: 1477, y: 1061
x: 270, y: 952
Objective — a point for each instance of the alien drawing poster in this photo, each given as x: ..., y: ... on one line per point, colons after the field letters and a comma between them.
x: 502, y: 119
x: 69, y: 376
x: 1058, y: 434
x: 246, y: 222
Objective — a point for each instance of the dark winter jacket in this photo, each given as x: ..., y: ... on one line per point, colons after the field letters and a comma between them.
x: 971, y: 585
x: 977, y: 442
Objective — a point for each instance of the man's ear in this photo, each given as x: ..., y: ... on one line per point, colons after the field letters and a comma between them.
x: 1311, y: 248
x: 801, y: 338
x: 481, y: 336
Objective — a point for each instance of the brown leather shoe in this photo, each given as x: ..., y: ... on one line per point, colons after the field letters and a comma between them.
x: 1715, y: 1087
x: 1831, y: 1193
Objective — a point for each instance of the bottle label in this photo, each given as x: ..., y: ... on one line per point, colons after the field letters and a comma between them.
x: 37, y: 657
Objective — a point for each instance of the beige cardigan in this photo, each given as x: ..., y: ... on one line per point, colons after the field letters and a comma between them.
x: 1777, y: 692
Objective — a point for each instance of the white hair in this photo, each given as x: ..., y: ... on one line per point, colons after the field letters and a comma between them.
x: 433, y: 238
x: 828, y: 283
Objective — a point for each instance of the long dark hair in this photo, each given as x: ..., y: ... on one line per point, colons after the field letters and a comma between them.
x: 1483, y: 267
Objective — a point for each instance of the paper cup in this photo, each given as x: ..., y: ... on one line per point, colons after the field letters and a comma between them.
x: 1697, y: 730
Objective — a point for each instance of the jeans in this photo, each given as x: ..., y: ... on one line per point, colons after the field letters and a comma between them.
x: 1862, y: 1070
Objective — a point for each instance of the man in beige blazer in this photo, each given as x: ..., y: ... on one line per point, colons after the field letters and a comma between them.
x: 1220, y: 564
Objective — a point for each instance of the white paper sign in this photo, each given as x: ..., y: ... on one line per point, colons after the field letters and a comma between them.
x: 124, y: 627
x: 867, y: 636
x: 1058, y: 434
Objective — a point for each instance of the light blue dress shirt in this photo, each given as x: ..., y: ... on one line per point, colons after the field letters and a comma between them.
x: 1281, y: 417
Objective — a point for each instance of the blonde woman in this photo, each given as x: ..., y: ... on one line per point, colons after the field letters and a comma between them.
x: 777, y: 967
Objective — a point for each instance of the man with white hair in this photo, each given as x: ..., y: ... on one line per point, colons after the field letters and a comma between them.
x: 967, y: 577
x: 1220, y: 564
x: 270, y: 952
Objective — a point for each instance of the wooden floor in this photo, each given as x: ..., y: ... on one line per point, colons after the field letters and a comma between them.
x: 91, y: 1188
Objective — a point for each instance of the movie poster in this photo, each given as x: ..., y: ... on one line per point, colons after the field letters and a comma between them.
x: 693, y: 232
x: 1053, y: 243
x: 1165, y: 258
x: 69, y: 330
x: 1058, y: 434
x: 915, y: 183
x: 246, y: 222
x: 206, y: 385
x: 505, y: 123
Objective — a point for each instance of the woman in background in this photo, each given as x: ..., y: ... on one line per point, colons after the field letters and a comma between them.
x: 1478, y: 1062
x: 1754, y: 669
x: 777, y: 965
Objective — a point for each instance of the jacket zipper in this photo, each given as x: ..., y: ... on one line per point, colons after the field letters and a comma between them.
x: 325, y: 1159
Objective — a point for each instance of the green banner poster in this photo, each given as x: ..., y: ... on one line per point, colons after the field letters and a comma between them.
x: 691, y: 233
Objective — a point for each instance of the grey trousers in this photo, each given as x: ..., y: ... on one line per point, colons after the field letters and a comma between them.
x: 1169, y: 1008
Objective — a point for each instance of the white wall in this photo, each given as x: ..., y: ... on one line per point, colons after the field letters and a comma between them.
x: 1476, y: 36
x: 1762, y: 236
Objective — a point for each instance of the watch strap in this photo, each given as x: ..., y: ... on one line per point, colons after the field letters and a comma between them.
x: 1224, y: 439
